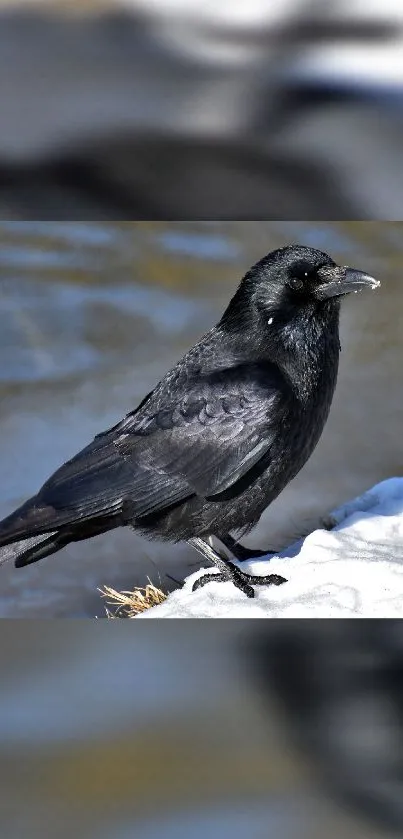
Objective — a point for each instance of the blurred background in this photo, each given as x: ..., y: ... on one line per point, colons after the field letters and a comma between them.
x: 235, y: 730
x: 125, y: 109
x: 92, y: 314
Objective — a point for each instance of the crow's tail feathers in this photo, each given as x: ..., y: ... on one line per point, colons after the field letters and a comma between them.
x: 26, y: 551
x: 29, y: 550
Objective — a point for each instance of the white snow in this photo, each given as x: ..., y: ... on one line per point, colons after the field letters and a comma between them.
x: 354, y: 570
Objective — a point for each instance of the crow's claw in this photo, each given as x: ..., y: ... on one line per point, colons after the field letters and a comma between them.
x: 244, y: 582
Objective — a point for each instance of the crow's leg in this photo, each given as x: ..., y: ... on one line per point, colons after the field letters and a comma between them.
x: 241, y: 553
x: 229, y: 572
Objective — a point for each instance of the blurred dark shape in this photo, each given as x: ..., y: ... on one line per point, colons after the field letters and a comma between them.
x: 339, y: 685
x: 175, y: 110
x: 159, y: 732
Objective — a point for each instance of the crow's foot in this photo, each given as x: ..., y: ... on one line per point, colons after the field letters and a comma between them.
x: 229, y: 572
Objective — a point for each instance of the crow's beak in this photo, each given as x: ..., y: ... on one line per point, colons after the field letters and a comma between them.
x: 336, y: 281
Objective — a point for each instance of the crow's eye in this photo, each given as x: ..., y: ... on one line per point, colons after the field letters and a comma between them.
x: 296, y: 283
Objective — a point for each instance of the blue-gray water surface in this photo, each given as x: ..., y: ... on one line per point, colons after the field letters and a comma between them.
x: 92, y: 314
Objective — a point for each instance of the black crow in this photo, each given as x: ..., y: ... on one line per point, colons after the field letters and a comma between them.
x: 219, y: 437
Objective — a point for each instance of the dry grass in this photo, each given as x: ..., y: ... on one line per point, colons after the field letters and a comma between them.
x: 129, y: 604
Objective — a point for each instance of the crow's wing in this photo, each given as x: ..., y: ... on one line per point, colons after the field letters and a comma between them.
x: 209, y: 438
x: 91, y: 484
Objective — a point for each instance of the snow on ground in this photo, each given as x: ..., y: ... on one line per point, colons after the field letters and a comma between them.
x: 354, y: 570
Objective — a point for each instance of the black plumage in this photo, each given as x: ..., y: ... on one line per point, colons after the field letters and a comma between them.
x: 220, y: 436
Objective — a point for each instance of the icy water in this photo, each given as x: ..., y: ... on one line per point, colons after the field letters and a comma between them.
x: 92, y: 314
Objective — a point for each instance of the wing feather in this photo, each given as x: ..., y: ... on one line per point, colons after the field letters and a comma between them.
x: 207, y: 441
x: 208, y: 438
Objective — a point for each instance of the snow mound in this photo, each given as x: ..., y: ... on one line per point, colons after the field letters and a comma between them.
x: 353, y: 570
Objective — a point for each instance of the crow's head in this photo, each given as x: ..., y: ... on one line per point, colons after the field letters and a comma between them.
x: 298, y: 276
